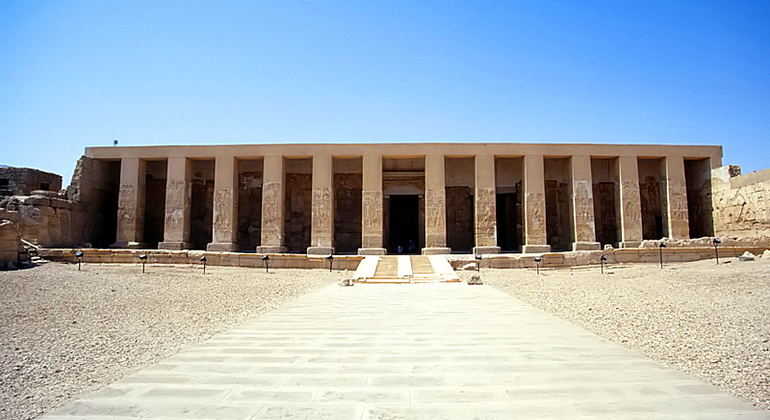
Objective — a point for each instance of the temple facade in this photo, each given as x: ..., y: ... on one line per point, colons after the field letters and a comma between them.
x: 399, y: 198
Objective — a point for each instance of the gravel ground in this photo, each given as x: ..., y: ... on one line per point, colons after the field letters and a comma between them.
x: 64, y: 332
x: 712, y: 321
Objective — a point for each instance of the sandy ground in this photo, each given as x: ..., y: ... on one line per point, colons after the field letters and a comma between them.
x: 712, y: 321
x: 64, y: 332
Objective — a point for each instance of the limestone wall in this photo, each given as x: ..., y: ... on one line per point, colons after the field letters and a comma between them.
x: 22, y: 181
x: 9, y: 243
x: 45, y: 218
x: 741, y: 203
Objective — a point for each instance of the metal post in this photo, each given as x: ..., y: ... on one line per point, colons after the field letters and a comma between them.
x: 716, y: 250
x: 143, y: 258
x: 330, y: 258
x: 266, y: 259
x: 537, y: 262
x: 203, y: 260
x: 660, y: 248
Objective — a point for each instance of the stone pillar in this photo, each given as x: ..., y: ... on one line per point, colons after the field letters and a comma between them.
x: 435, y: 206
x: 272, y: 205
x: 583, y: 205
x: 484, y: 206
x: 630, y: 202
x: 676, y: 193
x: 225, y: 230
x: 535, y: 238
x: 176, y: 228
x: 371, y: 207
x: 131, y: 199
x: 322, y: 218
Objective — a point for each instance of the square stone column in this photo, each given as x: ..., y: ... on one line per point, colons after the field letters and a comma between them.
x: 583, y: 205
x: 371, y: 206
x: 131, y: 200
x: 176, y: 227
x: 630, y: 202
x: 535, y: 238
x: 676, y: 193
x: 272, y: 205
x: 322, y: 218
x: 224, y: 232
x: 484, y: 206
x: 435, y: 206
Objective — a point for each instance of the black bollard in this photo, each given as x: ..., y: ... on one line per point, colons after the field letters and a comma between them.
x: 266, y: 259
x: 203, y: 260
x: 143, y: 259
x: 79, y: 256
x: 716, y: 251
x: 537, y: 261
x: 660, y: 248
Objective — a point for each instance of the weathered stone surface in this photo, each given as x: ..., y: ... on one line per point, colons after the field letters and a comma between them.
x: 475, y: 279
x: 747, y: 256
x: 741, y: 203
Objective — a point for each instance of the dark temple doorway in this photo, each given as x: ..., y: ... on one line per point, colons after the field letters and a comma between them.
x: 508, y: 238
x: 404, y: 224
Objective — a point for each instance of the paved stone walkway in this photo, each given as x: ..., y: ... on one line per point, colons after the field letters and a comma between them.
x: 427, y: 351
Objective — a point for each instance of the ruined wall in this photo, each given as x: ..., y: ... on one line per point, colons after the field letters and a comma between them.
x: 22, y: 181
x: 94, y: 190
x: 9, y: 243
x: 741, y: 202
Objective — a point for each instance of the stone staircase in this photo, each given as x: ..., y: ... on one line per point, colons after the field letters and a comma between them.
x: 405, y: 269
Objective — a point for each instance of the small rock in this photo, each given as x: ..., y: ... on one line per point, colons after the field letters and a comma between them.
x: 475, y: 279
x: 345, y: 282
x: 747, y: 256
x: 469, y: 267
x: 766, y: 254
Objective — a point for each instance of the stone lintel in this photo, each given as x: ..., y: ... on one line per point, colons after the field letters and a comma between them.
x: 271, y: 249
x: 436, y: 250
x: 173, y: 245
x: 535, y: 249
x: 320, y: 250
x: 221, y: 247
x: 586, y: 246
x: 630, y: 244
x: 372, y: 251
x: 486, y: 249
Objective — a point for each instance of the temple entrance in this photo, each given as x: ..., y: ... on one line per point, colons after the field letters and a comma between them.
x: 404, y: 224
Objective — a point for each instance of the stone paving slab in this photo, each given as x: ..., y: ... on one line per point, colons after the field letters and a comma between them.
x: 388, y: 352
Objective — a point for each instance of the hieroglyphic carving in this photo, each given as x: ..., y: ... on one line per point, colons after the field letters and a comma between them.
x: 584, y: 212
x: 322, y: 209
x: 485, y: 217
x: 534, y: 205
x: 271, y: 214
x: 372, y: 212
x: 631, y: 211
x: 127, y: 204
x: 435, y: 217
x: 677, y: 209
x: 223, y: 214
x: 176, y: 191
x: 372, y: 219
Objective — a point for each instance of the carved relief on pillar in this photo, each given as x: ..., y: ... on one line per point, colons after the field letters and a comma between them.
x: 372, y: 220
x: 485, y: 217
x: 322, y: 209
x: 271, y: 212
x: 535, y: 223
x: 632, y: 210
x: 175, y: 206
x: 127, y: 203
x: 223, y: 213
x: 584, y: 212
x: 435, y: 216
x: 677, y: 205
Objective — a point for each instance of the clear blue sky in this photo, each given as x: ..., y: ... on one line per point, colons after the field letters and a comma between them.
x: 82, y: 73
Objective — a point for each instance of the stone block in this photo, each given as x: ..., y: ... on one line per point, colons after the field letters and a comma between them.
x: 436, y: 251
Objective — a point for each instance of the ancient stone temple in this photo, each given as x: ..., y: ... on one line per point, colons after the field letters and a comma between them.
x: 399, y: 198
